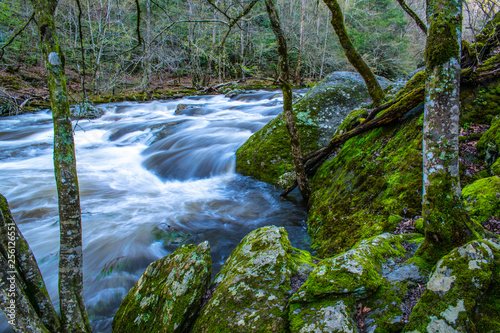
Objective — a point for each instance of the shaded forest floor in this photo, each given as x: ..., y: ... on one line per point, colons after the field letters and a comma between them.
x: 27, y: 87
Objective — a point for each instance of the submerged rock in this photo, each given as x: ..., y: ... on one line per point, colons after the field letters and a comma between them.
x: 168, y: 295
x: 250, y: 293
x: 267, y: 154
x: 455, y: 297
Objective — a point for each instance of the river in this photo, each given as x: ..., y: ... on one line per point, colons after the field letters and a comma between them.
x: 150, y: 179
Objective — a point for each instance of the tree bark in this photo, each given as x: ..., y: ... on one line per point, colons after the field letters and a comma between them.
x: 374, y: 89
x: 413, y: 15
x: 303, y: 182
x: 22, y: 282
x: 73, y: 313
x: 445, y: 220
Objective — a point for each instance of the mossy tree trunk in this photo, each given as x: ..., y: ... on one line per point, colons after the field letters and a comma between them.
x: 413, y: 15
x: 374, y: 89
x: 445, y: 220
x: 73, y: 313
x: 23, y: 296
x: 284, y: 68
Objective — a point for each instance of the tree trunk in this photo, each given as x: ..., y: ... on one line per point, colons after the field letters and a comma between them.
x: 23, y: 296
x: 413, y: 15
x: 374, y: 89
x: 301, y: 40
x: 303, y: 182
x: 445, y: 219
x: 73, y: 313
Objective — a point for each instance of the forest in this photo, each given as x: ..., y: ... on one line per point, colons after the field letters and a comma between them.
x: 144, y: 46
x: 193, y: 123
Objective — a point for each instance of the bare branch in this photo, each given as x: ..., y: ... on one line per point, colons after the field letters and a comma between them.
x: 2, y: 49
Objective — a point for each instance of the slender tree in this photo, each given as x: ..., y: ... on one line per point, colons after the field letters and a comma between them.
x: 413, y: 15
x: 284, y: 67
x: 445, y: 220
x: 72, y: 307
x: 374, y: 89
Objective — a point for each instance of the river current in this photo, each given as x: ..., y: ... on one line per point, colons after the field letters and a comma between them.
x: 152, y: 176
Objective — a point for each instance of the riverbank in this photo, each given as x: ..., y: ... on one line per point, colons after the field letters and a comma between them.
x: 24, y: 89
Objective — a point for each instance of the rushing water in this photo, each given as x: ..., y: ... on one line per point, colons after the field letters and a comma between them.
x: 150, y: 179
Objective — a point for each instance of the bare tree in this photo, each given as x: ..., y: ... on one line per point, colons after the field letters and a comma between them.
x: 303, y: 182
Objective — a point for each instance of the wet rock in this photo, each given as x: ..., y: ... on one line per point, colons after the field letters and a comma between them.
x: 168, y: 295
x: 189, y: 110
x: 455, y: 291
x: 86, y: 111
x: 251, y: 291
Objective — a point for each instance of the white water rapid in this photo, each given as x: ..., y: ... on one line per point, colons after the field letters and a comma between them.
x: 149, y: 180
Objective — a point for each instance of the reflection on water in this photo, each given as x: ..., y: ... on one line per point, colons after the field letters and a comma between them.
x: 150, y: 179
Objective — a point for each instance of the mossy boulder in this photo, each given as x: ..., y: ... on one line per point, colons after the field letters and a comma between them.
x: 357, y: 272
x: 456, y: 291
x: 324, y: 316
x: 267, y: 154
x: 168, y: 295
x: 373, y: 177
x: 488, y: 146
x: 250, y: 293
x: 374, y: 273
x: 482, y: 198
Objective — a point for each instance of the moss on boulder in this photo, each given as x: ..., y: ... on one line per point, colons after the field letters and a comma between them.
x: 374, y: 176
x: 251, y: 291
x: 324, y: 316
x: 357, y: 272
x: 455, y: 291
x: 482, y: 198
x: 167, y: 297
x: 267, y: 154
x: 374, y: 272
x: 488, y: 146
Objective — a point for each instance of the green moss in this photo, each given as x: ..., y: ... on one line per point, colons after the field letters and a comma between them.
x: 488, y: 146
x: 253, y: 285
x: 455, y: 290
x: 374, y: 176
x: 482, y: 198
x: 495, y: 168
x: 356, y: 272
x: 480, y: 103
x: 267, y: 153
x: 416, y: 81
x: 323, y: 316
x: 167, y: 296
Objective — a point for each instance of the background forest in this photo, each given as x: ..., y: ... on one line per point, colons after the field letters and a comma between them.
x: 147, y: 44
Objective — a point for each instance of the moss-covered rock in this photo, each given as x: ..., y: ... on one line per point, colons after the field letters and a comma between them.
x: 456, y: 289
x: 374, y: 176
x: 482, y: 198
x: 373, y: 273
x: 167, y: 297
x: 488, y: 146
x: 267, y: 154
x: 357, y: 272
x: 324, y: 316
x: 251, y: 291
